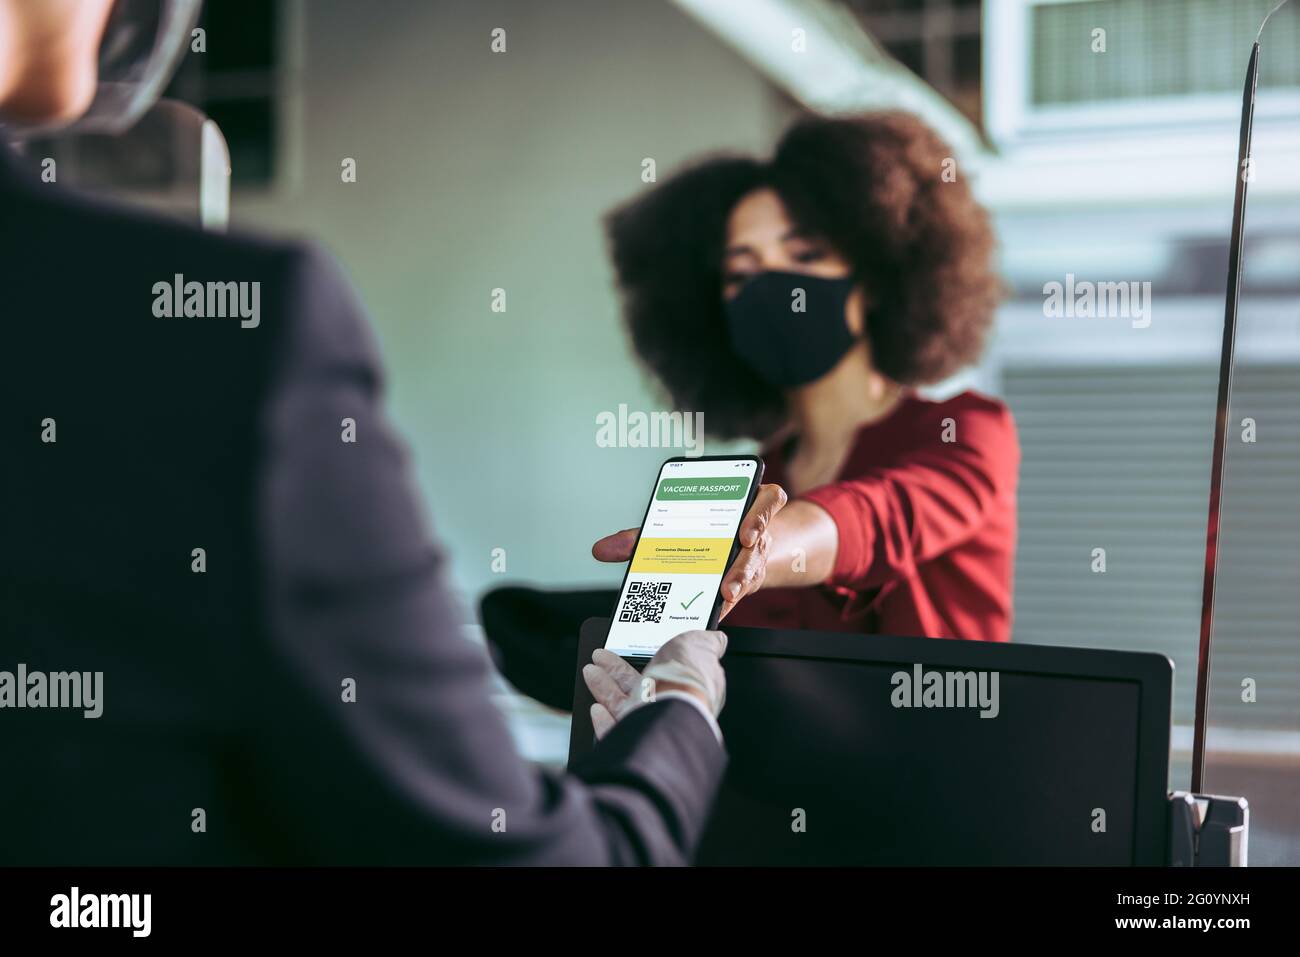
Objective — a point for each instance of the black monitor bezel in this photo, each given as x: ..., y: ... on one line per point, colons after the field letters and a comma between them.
x: 1153, y: 673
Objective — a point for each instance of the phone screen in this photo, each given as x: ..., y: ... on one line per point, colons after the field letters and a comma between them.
x: 686, y: 541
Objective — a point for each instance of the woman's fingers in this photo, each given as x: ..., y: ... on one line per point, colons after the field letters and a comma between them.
x: 746, y: 576
x: 615, y: 548
x: 750, y: 567
x: 769, y: 500
x: 748, y: 571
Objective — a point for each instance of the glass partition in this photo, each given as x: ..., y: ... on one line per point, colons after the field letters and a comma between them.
x: 1253, y: 702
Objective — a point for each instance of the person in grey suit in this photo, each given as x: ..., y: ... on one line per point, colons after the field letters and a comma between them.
x: 209, y: 523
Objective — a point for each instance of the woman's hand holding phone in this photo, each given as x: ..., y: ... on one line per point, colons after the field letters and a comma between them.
x: 747, y: 572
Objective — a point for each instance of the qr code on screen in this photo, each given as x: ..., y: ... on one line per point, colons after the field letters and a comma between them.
x: 645, y: 602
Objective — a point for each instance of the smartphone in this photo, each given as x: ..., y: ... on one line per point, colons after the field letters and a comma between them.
x: 688, y: 540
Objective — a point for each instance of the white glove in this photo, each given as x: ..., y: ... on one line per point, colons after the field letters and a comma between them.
x: 686, y: 667
x: 692, y: 659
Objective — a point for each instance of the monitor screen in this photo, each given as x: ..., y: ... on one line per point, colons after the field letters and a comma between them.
x: 875, y: 762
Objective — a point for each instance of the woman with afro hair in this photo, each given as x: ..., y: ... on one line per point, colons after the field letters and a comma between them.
x: 798, y: 301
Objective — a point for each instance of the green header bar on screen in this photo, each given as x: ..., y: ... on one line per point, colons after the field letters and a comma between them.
x: 702, y: 489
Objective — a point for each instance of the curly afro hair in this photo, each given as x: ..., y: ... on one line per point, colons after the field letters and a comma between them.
x: 871, y: 186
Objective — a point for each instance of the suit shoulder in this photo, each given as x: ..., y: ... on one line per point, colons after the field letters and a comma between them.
x: 125, y: 260
x: 90, y: 228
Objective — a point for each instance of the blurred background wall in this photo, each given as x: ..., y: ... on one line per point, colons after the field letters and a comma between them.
x: 479, y: 171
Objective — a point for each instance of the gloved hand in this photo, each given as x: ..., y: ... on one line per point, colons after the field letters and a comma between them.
x: 688, y: 664
x: 691, y: 662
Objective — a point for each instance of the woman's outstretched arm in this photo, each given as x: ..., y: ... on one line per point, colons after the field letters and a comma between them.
x: 880, y: 525
x: 804, y: 544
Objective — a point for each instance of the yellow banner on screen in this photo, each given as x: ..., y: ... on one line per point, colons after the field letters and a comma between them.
x: 692, y: 556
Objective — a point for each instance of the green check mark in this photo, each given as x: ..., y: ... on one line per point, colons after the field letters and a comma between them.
x: 686, y: 606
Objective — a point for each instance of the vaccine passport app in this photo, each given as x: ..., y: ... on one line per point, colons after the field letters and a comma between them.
x: 679, y: 562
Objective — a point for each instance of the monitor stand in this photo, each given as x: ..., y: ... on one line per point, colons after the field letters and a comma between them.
x: 1207, y: 830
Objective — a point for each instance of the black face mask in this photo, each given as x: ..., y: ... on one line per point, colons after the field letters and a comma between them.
x: 789, y: 348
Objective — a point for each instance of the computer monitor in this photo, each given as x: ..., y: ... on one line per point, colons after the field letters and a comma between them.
x: 844, y: 750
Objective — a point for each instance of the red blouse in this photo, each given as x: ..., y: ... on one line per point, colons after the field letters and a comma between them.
x: 926, y: 512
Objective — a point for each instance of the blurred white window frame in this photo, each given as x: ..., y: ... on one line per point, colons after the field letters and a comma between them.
x: 1157, y: 149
